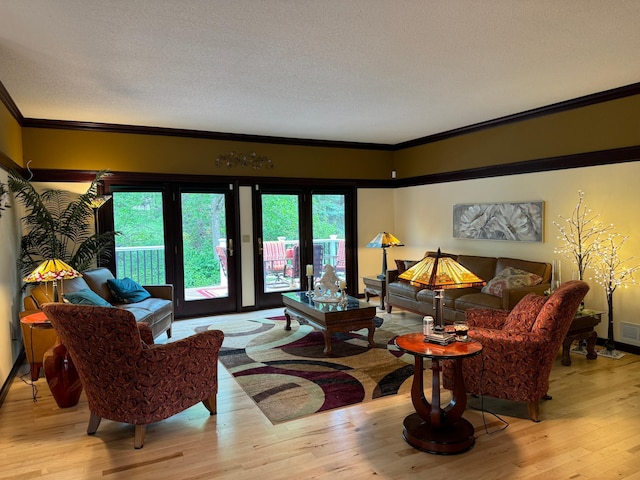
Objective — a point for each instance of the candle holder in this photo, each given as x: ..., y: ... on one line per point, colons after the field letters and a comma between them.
x: 309, y: 289
x: 343, y: 298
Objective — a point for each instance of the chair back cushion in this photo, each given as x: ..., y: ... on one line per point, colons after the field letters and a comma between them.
x: 557, y: 313
x: 524, y: 314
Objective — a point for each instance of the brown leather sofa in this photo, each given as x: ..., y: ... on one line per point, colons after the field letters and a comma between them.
x: 157, y: 310
x: 402, y: 294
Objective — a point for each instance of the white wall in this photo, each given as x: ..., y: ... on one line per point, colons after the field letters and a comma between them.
x: 10, y: 296
x: 423, y: 220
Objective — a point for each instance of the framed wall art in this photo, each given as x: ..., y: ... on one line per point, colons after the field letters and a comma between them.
x: 519, y: 222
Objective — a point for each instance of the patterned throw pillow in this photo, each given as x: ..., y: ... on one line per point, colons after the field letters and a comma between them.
x: 127, y: 290
x: 524, y: 314
x: 510, y: 278
x: 404, y: 265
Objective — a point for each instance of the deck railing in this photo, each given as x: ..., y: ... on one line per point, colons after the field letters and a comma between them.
x: 145, y: 265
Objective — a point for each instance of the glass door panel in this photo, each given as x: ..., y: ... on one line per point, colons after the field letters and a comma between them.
x: 279, y: 243
x: 204, y: 246
x: 140, y: 245
x: 328, y: 225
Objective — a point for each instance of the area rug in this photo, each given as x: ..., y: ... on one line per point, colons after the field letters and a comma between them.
x: 288, y: 376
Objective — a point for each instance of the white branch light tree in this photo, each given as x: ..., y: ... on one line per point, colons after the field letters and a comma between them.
x: 611, y: 272
x: 580, y: 233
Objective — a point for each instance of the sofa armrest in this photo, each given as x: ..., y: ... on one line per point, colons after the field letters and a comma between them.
x: 160, y: 291
x: 511, y: 296
x: 392, y: 276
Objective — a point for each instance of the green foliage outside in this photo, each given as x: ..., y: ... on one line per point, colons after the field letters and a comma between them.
x: 139, y: 218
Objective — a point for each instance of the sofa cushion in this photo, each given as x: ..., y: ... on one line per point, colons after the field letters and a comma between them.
x: 86, y: 297
x: 126, y: 290
x: 483, y: 267
x: 404, y: 289
x: 150, y: 310
x: 524, y: 314
x: 450, y: 295
x: 478, y: 300
x: 510, y: 278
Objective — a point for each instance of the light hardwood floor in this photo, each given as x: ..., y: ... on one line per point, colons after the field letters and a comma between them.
x: 590, y: 429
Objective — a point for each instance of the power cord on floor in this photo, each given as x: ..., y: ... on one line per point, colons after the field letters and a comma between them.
x: 23, y: 377
x: 505, y: 424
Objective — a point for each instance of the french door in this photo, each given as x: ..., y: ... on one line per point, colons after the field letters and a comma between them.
x: 298, y: 232
x: 182, y: 235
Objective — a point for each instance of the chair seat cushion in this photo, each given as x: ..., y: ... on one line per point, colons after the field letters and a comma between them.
x: 524, y: 314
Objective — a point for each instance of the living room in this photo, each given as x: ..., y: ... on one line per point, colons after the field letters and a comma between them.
x: 589, y: 144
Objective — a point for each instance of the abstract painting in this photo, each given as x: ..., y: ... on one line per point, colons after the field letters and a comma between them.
x: 520, y: 222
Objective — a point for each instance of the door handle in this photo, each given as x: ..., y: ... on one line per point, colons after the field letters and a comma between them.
x: 260, y: 246
x: 230, y: 247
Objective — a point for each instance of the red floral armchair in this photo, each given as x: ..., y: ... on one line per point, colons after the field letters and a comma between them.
x: 519, y: 347
x: 125, y: 376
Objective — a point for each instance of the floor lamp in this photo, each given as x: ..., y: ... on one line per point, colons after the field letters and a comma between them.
x: 439, y: 272
x: 384, y: 240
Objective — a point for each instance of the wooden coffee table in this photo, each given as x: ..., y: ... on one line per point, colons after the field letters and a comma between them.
x: 329, y: 318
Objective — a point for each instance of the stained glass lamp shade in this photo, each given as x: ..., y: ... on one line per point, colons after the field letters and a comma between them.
x: 440, y: 272
x: 384, y: 240
x: 52, y: 271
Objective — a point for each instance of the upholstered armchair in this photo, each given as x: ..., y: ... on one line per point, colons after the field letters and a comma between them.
x: 125, y: 376
x: 519, y: 347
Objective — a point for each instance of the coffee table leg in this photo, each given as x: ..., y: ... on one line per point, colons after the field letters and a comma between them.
x: 288, y: 317
x: 372, y: 330
x: 327, y: 342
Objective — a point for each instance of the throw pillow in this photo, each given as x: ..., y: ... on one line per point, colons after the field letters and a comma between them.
x: 126, y: 290
x: 510, y: 278
x: 524, y: 314
x: 404, y: 265
x: 86, y: 297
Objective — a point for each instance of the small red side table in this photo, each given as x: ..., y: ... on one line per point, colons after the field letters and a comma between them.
x: 59, y: 370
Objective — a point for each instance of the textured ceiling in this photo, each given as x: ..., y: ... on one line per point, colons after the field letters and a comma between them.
x: 377, y: 71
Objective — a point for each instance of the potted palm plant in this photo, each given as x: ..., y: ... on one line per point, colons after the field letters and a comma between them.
x: 58, y: 224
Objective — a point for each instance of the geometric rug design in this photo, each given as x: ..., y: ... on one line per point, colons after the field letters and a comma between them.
x: 288, y: 376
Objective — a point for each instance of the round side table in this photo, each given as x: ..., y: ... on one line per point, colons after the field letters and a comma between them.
x: 432, y: 428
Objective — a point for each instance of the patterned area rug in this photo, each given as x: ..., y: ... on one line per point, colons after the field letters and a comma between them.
x: 288, y: 376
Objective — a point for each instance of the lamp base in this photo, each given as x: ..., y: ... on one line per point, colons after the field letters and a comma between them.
x: 443, y: 338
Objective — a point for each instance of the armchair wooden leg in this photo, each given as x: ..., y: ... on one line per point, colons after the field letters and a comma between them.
x: 139, y: 436
x: 533, y: 411
x: 212, y: 404
x: 94, y: 422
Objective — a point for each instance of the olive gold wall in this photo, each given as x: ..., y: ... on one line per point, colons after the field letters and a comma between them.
x: 601, y: 126
x: 127, y: 152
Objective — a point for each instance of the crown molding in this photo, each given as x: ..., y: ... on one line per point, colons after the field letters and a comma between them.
x: 592, y: 99
x: 8, y: 102
x: 599, y: 97
x: 577, y: 160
